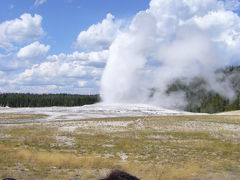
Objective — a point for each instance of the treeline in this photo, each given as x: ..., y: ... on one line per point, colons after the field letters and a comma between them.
x: 204, y: 101
x: 213, y: 103
x: 201, y: 99
x: 46, y: 100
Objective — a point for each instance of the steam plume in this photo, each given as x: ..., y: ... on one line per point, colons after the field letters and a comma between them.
x: 175, y: 39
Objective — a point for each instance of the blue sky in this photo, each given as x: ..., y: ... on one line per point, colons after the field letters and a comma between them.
x: 64, y: 46
x: 58, y: 24
x: 64, y: 19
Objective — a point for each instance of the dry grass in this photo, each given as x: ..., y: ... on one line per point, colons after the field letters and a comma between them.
x: 14, y: 116
x: 47, y: 161
x: 168, y: 147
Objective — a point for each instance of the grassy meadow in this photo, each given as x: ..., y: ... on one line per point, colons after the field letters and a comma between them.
x: 165, y: 147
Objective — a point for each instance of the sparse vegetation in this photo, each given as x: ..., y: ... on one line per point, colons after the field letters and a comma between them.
x: 166, y: 147
x: 12, y: 116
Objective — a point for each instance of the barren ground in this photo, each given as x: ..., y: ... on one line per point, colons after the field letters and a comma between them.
x: 70, y: 143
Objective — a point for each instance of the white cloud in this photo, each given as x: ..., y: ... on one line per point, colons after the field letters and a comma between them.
x: 82, y: 83
x: 23, y: 29
x: 39, y: 2
x: 171, y: 39
x: 99, y: 36
x: 233, y: 5
x: 33, y: 50
x: 93, y: 57
x: 48, y: 70
x: 168, y: 40
x: 223, y: 26
x: 77, y: 70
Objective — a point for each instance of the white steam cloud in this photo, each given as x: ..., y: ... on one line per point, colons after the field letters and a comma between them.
x: 170, y: 40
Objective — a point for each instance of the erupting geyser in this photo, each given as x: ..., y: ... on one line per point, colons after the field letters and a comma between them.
x: 168, y: 41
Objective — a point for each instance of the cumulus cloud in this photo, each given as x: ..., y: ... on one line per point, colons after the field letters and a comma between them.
x: 222, y: 26
x: 170, y: 40
x: 233, y: 5
x: 29, y: 69
x: 24, y: 58
x: 24, y: 29
x: 92, y: 57
x: 33, y: 50
x: 99, y: 36
x: 10, y: 63
x: 79, y: 71
x: 39, y: 2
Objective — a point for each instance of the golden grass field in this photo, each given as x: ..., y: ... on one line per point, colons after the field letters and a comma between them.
x: 165, y: 147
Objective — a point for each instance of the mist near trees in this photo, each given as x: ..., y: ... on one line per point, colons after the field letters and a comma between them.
x: 200, y: 97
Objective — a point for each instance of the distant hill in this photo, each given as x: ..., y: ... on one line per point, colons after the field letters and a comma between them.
x: 46, y: 100
x: 200, y: 99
